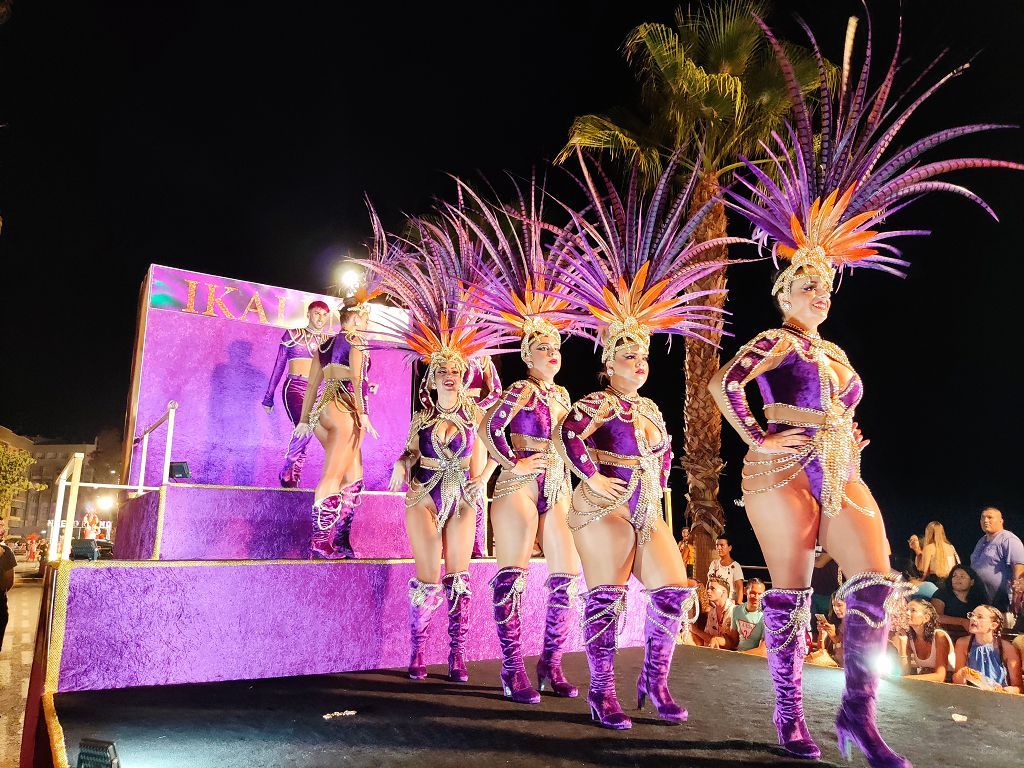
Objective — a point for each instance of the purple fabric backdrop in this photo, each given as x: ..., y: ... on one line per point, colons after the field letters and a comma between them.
x: 216, y: 366
x: 162, y: 623
x: 211, y: 523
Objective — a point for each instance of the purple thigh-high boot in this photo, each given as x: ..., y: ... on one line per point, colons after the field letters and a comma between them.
x: 601, y: 613
x: 424, y: 600
x: 787, y: 617
x: 350, y: 495
x: 667, y: 608
x: 561, y: 591
x: 508, y: 584
x: 456, y: 587
x: 480, y: 538
x: 868, y: 597
x: 325, y: 515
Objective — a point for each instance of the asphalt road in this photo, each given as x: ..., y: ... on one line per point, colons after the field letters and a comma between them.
x: 16, y: 660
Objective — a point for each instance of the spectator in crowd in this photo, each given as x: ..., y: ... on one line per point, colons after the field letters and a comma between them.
x: 688, y: 551
x: 825, y: 579
x: 926, y: 651
x: 997, y: 559
x: 983, y: 657
x: 936, y: 558
x: 960, y: 596
x: 830, y: 630
x: 748, y: 619
x: 717, y: 632
x: 8, y: 562
x: 921, y: 588
x: 724, y: 567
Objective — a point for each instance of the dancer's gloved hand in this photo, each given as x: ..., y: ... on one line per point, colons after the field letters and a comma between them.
x: 364, y: 421
x: 302, y: 429
x: 786, y: 441
x: 268, y: 408
x: 610, y: 488
x: 529, y: 465
x: 859, y: 437
x: 398, y: 477
x: 475, y: 488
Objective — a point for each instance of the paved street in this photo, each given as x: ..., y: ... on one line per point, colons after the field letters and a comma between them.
x: 16, y: 660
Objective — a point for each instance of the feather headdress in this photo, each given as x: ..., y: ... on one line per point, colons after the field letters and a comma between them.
x: 631, y: 261
x: 831, y: 189
x: 514, y: 285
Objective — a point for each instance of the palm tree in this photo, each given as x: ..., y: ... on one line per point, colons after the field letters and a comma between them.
x: 711, y: 85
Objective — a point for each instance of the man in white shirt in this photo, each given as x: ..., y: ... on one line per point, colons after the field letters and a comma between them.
x: 727, y: 569
x: 718, y: 630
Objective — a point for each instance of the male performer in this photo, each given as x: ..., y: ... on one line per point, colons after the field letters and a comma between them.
x: 297, y: 348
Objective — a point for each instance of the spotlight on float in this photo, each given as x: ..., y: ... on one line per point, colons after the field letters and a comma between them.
x: 94, y: 753
x: 882, y: 664
x: 349, y: 277
x: 105, y: 503
x: 178, y: 470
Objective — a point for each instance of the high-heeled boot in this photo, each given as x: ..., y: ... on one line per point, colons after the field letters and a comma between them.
x: 424, y: 599
x: 868, y: 598
x: 324, y: 515
x: 350, y: 495
x: 561, y: 591
x: 787, y: 618
x: 456, y: 587
x: 666, y: 610
x: 480, y: 537
x: 601, y: 614
x: 508, y: 584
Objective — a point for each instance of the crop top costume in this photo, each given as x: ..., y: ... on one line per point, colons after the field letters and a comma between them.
x: 296, y: 344
x: 350, y: 393
x: 442, y: 468
x: 618, y: 447
x: 475, y: 381
x: 800, y: 391
x: 521, y: 424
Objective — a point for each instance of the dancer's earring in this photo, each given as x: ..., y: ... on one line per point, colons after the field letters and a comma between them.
x: 786, y: 305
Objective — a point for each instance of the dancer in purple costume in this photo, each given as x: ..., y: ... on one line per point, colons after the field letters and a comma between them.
x: 515, y: 291
x: 436, y: 464
x: 630, y: 269
x: 339, y: 412
x: 298, y: 347
x: 801, y: 478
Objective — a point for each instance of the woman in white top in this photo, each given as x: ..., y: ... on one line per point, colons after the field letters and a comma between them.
x: 937, y: 557
x: 926, y: 652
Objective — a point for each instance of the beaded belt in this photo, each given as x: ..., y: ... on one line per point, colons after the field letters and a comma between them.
x: 450, y: 474
x: 555, y: 471
x: 648, y: 507
x: 334, y: 392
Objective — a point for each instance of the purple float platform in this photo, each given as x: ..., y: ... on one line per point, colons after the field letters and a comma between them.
x: 124, y: 624
x: 197, y: 522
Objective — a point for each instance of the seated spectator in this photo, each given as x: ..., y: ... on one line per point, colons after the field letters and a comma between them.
x: 688, y: 551
x: 983, y: 658
x: 926, y: 651
x: 921, y: 588
x: 960, y: 596
x: 824, y: 581
x: 830, y: 633
x: 718, y: 628
x: 748, y: 621
x: 724, y: 567
x: 936, y: 557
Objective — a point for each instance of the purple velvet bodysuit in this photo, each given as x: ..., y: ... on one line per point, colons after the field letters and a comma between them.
x: 475, y: 382
x: 442, y: 469
x: 337, y: 350
x: 802, y: 391
x: 296, y: 344
x: 619, y: 448
x: 531, y: 428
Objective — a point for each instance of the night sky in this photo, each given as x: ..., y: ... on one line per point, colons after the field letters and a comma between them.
x: 239, y: 139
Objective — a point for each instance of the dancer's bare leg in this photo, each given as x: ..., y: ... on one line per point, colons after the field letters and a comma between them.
x: 855, y: 540
x: 514, y: 520
x: 421, y: 528
x: 556, y: 540
x: 607, y: 549
x: 339, y: 436
x: 458, y: 539
x: 659, y: 562
x: 785, y: 521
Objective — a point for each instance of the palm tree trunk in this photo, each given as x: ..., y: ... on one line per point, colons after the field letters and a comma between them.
x: 702, y: 421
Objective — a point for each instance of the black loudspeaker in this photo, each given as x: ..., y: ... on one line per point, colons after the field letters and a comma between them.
x: 94, y: 753
x: 179, y: 470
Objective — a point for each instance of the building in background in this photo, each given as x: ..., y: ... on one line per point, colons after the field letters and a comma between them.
x: 17, y: 513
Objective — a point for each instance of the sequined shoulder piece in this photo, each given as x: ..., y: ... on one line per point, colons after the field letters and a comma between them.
x: 597, y: 405
x: 562, y: 395
x: 835, y: 352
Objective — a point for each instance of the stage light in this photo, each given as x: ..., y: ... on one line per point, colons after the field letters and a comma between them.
x: 94, y: 753
x: 883, y: 664
x: 105, y: 503
x: 178, y: 470
x: 349, y: 277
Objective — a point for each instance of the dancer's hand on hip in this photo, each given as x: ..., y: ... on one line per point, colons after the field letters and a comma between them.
x: 858, y: 436
x: 610, y: 488
x: 786, y: 441
x: 529, y: 465
x: 475, y: 488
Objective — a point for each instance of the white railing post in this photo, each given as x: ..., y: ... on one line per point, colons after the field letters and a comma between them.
x: 76, y: 478
x: 58, y: 512
x: 142, y: 462
x: 172, y: 406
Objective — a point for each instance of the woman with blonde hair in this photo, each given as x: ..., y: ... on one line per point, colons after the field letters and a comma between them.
x: 937, y: 557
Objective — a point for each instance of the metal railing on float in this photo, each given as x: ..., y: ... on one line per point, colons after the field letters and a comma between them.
x: 69, y: 481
